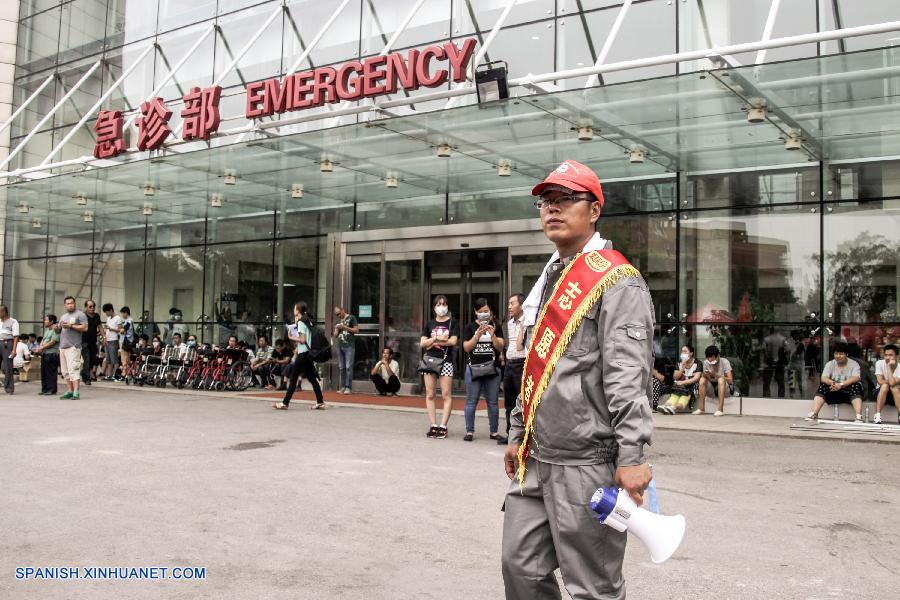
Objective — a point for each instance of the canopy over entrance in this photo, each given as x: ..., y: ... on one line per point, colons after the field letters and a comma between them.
x: 833, y: 108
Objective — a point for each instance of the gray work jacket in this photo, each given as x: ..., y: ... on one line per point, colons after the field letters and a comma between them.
x: 595, y: 409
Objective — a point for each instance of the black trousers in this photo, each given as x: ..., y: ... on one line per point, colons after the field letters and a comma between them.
x: 303, y: 366
x: 88, y: 360
x: 6, y: 346
x: 512, y: 385
x: 262, y: 375
x: 386, y: 387
x: 49, y: 372
x: 767, y: 373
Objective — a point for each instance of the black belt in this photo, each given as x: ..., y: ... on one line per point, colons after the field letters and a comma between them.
x: 510, y: 361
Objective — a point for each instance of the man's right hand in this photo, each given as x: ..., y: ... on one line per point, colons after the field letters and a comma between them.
x: 511, y: 460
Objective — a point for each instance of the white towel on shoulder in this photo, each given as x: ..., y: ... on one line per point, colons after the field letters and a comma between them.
x: 533, y: 301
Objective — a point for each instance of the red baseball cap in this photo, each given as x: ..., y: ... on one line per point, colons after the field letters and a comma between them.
x: 574, y: 176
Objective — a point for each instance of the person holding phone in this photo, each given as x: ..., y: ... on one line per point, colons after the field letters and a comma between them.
x: 716, y: 371
x: 483, y: 343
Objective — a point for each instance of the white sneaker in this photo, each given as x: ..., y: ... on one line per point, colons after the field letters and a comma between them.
x: 697, y: 412
x: 811, y: 417
x: 877, y: 420
x: 346, y: 390
x: 858, y: 419
x: 718, y: 413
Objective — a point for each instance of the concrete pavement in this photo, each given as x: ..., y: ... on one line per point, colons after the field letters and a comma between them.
x: 357, y: 503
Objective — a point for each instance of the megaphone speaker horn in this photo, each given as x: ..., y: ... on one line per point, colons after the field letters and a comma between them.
x: 659, y: 533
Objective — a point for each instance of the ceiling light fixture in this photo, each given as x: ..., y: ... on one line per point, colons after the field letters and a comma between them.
x: 35, y: 223
x: 504, y: 168
x: 391, y: 181
x: 88, y: 216
x: 636, y: 154
x: 326, y: 165
x: 147, y: 210
x: 297, y: 190
x: 585, y: 133
x: 230, y: 177
x: 756, y: 112
x: 793, y: 140
x: 216, y: 200
x: 443, y: 150
x: 22, y: 207
x: 149, y: 190
x: 80, y: 200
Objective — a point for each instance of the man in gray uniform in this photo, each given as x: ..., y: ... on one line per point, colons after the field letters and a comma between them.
x: 593, y: 419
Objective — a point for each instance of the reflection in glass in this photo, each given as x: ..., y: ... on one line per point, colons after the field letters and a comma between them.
x: 130, y: 20
x: 83, y: 29
x: 177, y: 13
x: 23, y: 289
x: 119, y: 278
x: 365, y: 291
x: 403, y: 315
x: 174, y: 279
x: 263, y: 59
x: 428, y: 210
x: 744, y: 266
x: 239, y: 287
x: 752, y: 188
x: 298, y: 276
x: 38, y: 42
x: 862, y: 268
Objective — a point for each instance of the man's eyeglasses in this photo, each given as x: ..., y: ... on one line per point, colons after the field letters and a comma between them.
x: 563, y: 202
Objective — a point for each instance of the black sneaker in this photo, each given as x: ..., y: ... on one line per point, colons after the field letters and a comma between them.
x: 469, y: 437
x: 432, y: 432
x: 502, y: 440
x: 441, y: 432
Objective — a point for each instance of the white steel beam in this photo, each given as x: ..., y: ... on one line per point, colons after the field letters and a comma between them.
x: 318, y: 37
x: 484, y: 47
x: 384, y: 51
x: 98, y: 104
x: 172, y: 72
x: 28, y: 101
x: 52, y: 112
x: 607, y: 45
x: 767, y: 30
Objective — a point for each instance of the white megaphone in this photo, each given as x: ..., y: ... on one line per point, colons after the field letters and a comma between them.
x: 659, y: 533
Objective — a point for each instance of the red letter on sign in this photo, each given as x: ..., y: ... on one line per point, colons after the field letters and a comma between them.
x: 109, y: 134
x: 153, y: 127
x: 459, y: 59
x: 372, y: 74
x: 276, y: 96
x: 201, y: 112
x: 348, y: 89
x: 440, y: 76
x: 324, y: 82
x: 401, y: 72
x: 302, y: 87
x: 254, y: 99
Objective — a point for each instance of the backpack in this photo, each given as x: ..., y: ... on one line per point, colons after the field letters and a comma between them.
x: 319, y: 346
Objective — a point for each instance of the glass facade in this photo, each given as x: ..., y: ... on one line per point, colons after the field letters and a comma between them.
x: 738, y: 238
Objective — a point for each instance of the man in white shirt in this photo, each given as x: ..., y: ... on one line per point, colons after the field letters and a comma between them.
x: 515, y: 358
x: 887, y: 371
x: 113, y: 329
x: 384, y: 374
x: 9, y: 339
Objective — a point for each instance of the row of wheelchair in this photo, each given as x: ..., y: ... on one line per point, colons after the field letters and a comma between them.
x: 189, y: 367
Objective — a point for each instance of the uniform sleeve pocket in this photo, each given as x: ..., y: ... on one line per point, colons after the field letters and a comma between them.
x: 631, y: 342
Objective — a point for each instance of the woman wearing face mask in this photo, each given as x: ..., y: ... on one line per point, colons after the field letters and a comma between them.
x: 156, y: 346
x: 438, y: 340
x: 482, y: 342
x: 684, y: 386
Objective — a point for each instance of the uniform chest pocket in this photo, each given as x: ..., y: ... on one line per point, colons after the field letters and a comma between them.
x: 631, y: 345
x: 585, y: 338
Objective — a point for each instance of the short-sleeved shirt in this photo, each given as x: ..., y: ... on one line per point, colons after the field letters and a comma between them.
x: 395, y: 369
x: 303, y: 330
x: 719, y: 369
x: 263, y: 354
x: 434, y: 328
x: 90, y: 336
x: 881, y: 369
x: 345, y: 338
x: 49, y: 334
x: 128, y: 334
x: 689, y: 372
x: 840, y: 374
x: 112, y: 328
x: 69, y: 338
x: 484, y: 351
x: 280, y: 355
x: 9, y: 329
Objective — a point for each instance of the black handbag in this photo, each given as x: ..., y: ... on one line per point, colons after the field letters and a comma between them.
x: 485, y: 369
x: 431, y: 364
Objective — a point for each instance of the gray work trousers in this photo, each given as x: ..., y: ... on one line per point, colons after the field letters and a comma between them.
x: 9, y: 383
x: 552, y: 525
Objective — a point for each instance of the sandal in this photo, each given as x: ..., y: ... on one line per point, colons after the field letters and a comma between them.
x: 280, y: 406
x: 318, y: 406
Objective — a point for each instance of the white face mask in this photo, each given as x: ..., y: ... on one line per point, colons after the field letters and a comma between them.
x: 713, y: 361
x: 441, y: 310
x: 685, y: 356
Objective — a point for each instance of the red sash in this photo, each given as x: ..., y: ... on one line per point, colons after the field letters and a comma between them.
x: 582, y: 283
